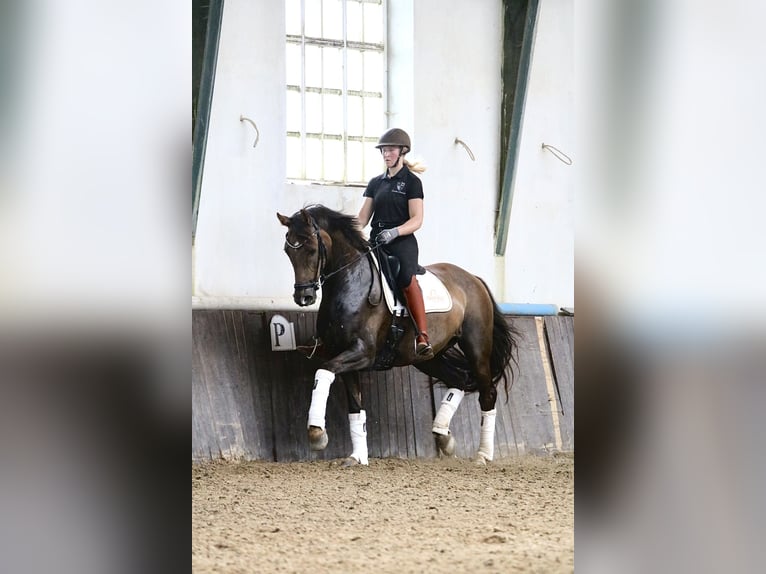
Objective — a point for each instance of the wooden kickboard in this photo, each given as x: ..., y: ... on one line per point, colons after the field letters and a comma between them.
x: 250, y: 402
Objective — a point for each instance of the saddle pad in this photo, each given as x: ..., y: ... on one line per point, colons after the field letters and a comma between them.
x: 435, y: 295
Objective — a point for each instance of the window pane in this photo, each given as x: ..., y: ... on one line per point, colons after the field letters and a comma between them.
x: 373, y: 163
x: 332, y: 19
x: 373, y: 23
x: 314, y: 66
x: 333, y: 160
x: 354, y: 26
x: 333, y: 114
x: 374, y: 117
x: 355, y: 116
x: 313, y: 113
x: 313, y: 158
x: 293, y: 58
x: 293, y: 158
x: 293, y: 111
x: 293, y: 17
x: 314, y: 18
x: 373, y: 71
x: 333, y: 68
x: 354, y: 75
x: 323, y: 108
x: 354, y: 161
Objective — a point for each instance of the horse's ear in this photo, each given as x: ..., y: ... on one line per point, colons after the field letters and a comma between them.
x: 306, y: 216
x: 283, y: 219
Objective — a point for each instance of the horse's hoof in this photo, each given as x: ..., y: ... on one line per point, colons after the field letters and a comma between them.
x: 347, y: 462
x: 446, y: 444
x: 318, y: 438
x: 481, y: 460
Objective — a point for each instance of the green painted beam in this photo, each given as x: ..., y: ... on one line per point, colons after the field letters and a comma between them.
x: 204, y: 101
x: 512, y: 154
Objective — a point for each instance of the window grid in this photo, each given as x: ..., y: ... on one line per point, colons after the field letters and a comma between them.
x: 365, y: 96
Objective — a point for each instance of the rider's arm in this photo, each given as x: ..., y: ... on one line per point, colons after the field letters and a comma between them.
x: 365, y: 213
x: 416, y: 217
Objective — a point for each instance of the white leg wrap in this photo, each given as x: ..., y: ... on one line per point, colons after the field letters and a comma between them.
x: 447, y: 409
x: 358, y: 424
x: 487, y: 442
x: 322, y: 381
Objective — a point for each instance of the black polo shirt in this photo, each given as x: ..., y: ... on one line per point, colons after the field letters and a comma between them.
x: 390, y: 197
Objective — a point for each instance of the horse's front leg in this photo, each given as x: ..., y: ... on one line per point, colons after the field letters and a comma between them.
x: 356, y: 357
x: 357, y: 422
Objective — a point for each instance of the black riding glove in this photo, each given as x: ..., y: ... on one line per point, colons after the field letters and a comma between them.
x: 387, y: 236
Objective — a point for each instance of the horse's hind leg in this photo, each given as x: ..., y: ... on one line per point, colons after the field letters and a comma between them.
x: 477, y: 350
x: 440, y: 429
x: 455, y: 382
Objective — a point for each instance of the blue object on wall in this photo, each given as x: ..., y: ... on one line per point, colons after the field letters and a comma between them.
x: 528, y: 309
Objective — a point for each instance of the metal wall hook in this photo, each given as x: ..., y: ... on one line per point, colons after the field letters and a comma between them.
x: 252, y: 123
x: 462, y: 143
x: 558, y: 154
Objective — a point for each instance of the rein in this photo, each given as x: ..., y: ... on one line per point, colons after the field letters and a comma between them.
x: 324, y: 278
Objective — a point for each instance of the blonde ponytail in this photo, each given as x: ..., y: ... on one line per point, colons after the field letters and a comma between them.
x: 416, y: 167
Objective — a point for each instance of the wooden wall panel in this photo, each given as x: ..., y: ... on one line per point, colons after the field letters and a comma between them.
x: 560, y: 337
x: 530, y: 401
x: 250, y: 402
x: 229, y: 421
x: 421, y: 402
x: 505, y: 437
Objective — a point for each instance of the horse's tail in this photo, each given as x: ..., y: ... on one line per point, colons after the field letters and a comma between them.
x: 505, y: 344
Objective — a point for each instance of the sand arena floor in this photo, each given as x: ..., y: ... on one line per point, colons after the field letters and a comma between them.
x: 515, y: 515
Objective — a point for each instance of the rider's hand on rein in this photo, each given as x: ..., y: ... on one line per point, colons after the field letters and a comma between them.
x: 387, y: 236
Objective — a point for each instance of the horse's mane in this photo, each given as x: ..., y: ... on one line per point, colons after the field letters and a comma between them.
x: 335, y: 221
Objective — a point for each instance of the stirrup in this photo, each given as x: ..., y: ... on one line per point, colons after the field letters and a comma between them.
x: 423, y: 348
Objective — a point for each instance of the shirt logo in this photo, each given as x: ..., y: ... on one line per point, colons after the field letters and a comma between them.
x: 399, y: 187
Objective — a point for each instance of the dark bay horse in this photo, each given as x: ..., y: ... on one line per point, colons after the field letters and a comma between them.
x: 473, y: 344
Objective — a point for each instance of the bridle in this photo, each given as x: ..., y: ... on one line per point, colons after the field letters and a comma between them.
x: 320, y: 279
x: 321, y: 258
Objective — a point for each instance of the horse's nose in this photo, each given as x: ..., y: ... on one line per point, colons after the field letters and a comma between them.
x: 304, y: 299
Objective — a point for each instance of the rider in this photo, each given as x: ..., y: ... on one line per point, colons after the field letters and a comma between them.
x: 394, y: 200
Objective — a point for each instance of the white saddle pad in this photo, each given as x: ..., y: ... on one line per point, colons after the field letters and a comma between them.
x: 435, y: 295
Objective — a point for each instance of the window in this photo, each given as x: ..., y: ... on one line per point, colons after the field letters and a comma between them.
x: 336, y: 77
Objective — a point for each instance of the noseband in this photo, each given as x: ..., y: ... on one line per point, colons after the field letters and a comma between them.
x: 321, y: 258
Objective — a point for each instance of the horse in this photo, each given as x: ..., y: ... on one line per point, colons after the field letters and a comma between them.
x: 474, y: 346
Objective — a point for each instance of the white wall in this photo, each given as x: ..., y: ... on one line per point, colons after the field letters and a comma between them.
x: 238, y: 243
x: 444, y: 82
x: 457, y: 94
x: 539, y: 259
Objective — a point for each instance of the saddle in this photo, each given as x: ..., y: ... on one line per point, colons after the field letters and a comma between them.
x: 435, y: 296
x: 390, y: 267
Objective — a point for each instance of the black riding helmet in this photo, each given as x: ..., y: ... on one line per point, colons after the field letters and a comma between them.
x: 395, y: 137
